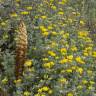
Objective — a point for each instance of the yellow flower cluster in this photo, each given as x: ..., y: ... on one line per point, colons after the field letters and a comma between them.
x: 14, y: 14
x: 63, y: 61
x: 74, y: 48
x: 27, y: 93
x: 53, y: 33
x: 29, y: 7
x: 63, y: 80
x: 5, y: 80
x: 51, y: 53
x: 42, y: 90
x: 53, y: 7
x: 61, y: 13
x: 63, y: 51
x: 70, y: 94
x: 65, y: 35
x: 43, y: 17
x: 94, y: 54
x: 87, y: 51
x: 17, y: 81
x: 28, y: 63
x: 82, y: 34
x: 62, y: 2
x: 79, y: 69
x: 44, y: 31
x: 82, y: 22
x: 79, y: 60
x: 68, y: 59
x: 53, y: 44
x: 24, y: 13
x: 49, y: 64
x: 45, y: 59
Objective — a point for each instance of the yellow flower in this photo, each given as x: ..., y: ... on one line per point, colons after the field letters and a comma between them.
x: 45, y: 33
x: 37, y: 94
x: 62, y: 80
x: 70, y: 58
x: 29, y: 8
x: 49, y: 64
x: 63, y: 2
x: 63, y: 61
x: 70, y: 94
x: 94, y: 54
x: 69, y: 70
x: 61, y: 32
x: 88, y: 48
x: 80, y: 70
x: 43, y: 17
x: 60, y: 12
x: 74, y: 48
x: 90, y: 87
x: 5, y: 36
x: 45, y: 88
x: 26, y: 93
x: 45, y: 59
x: 92, y: 82
x: 36, y: 17
x: 79, y: 60
x: 74, y: 67
x: 89, y: 72
x: 82, y: 22
x: 79, y: 86
x: 57, y: 57
x: 42, y: 95
x: 53, y: 44
x: 88, y: 40
x: 5, y: 80
x: 91, y: 45
x: 24, y: 13
x: 82, y: 34
x: 51, y: 53
x: 28, y: 63
x: 50, y: 91
x: 66, y: 35
x: 3, y: 23
x: 17, y: 81
x: 54, y: 33
x: 53, y: 7
x: 63, y: 50
x: 84, y: 81
x: 43, y: 29
x: 31, y: 69
x: 50, y: 27
x: 85, y: 53
x: 40, y: 90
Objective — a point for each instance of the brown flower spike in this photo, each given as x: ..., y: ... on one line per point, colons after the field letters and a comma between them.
x: 21, y: 49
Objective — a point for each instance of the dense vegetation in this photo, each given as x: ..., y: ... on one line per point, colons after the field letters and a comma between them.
x: 61, y: 55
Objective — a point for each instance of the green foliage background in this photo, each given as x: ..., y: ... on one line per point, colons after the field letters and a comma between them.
x: 61, y: 22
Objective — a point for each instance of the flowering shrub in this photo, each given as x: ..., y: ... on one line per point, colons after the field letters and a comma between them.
x: 61, y: 53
